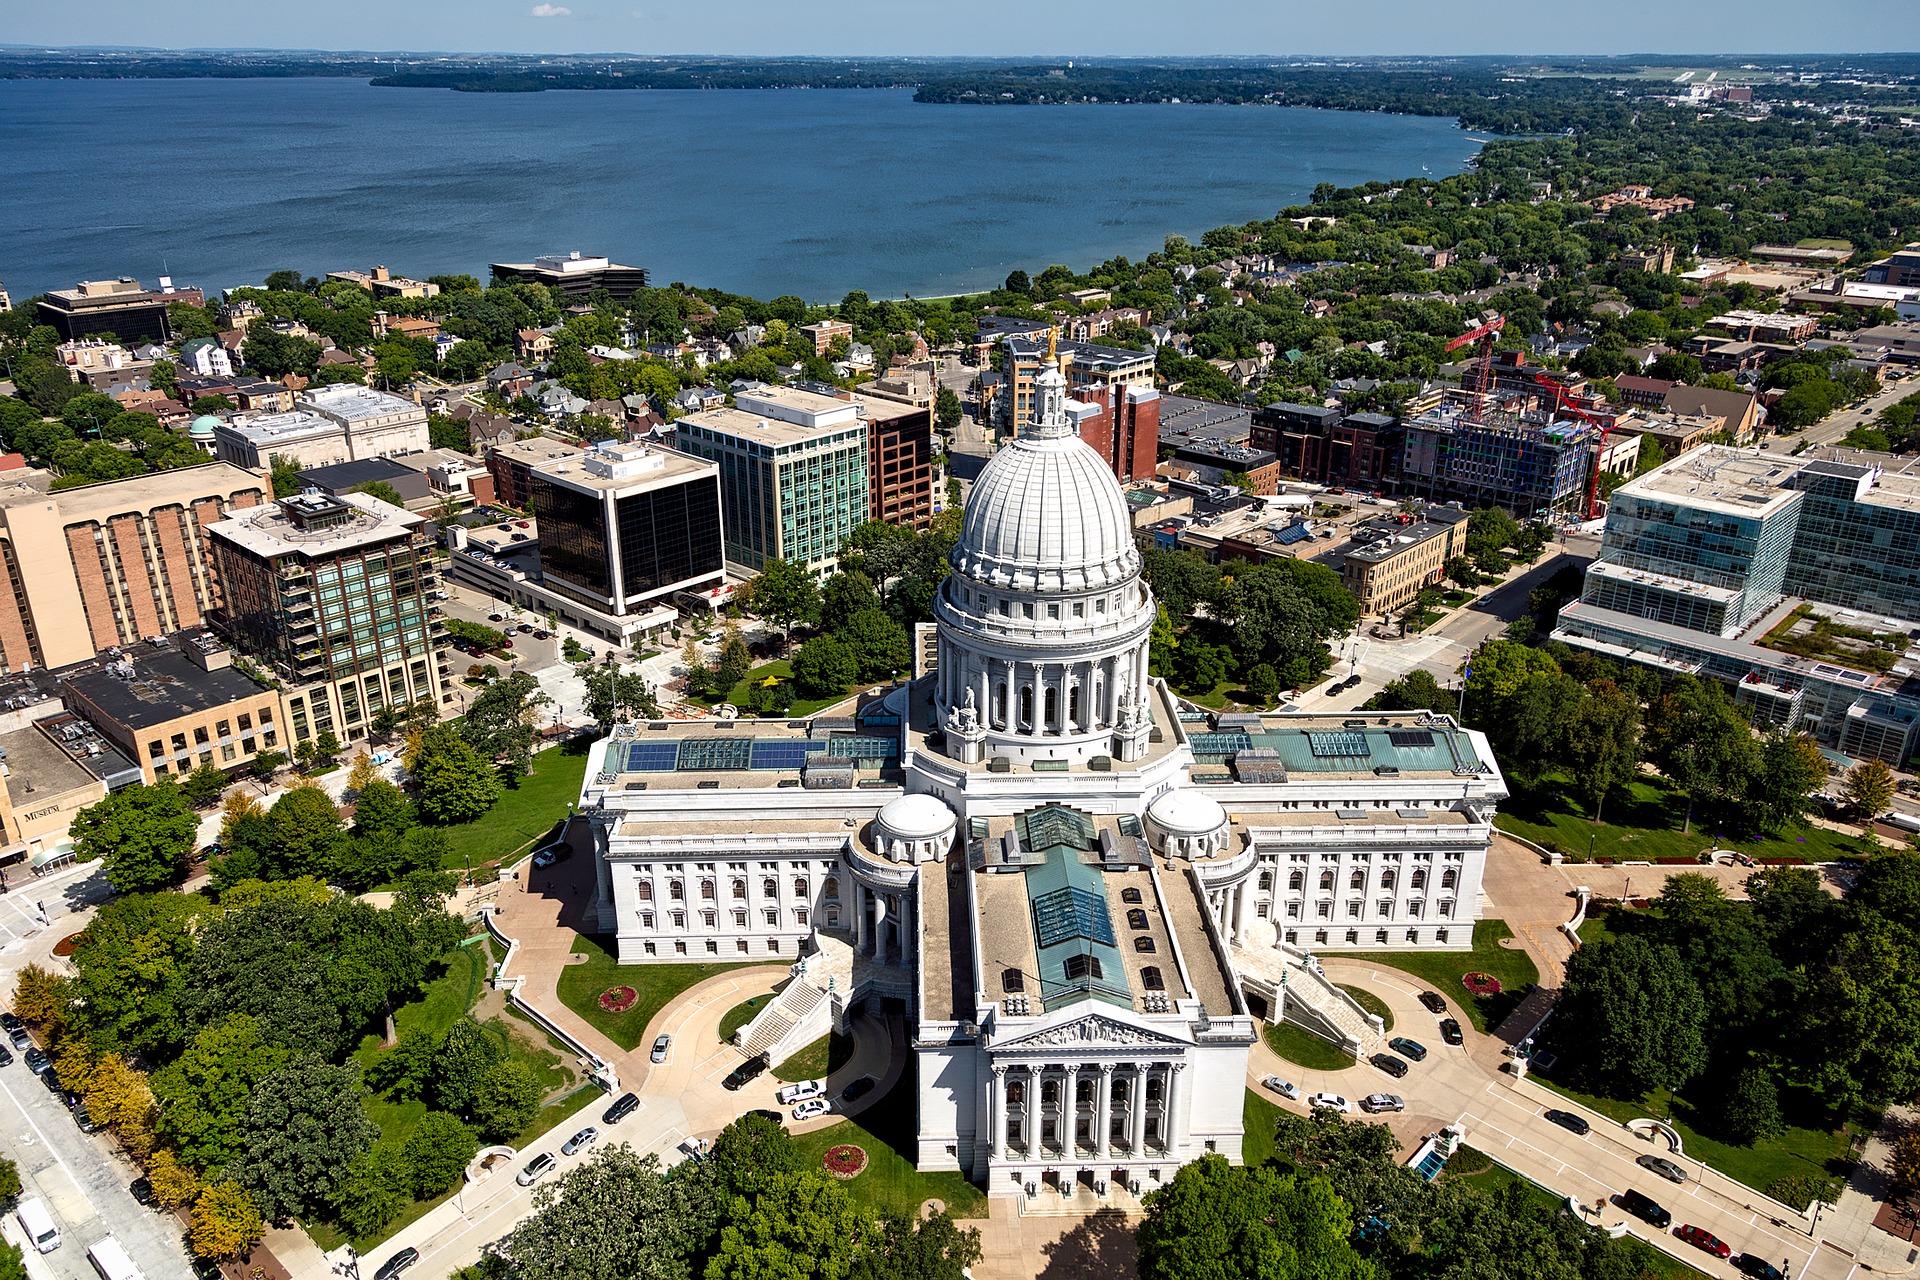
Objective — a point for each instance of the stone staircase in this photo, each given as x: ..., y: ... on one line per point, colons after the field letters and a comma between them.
x: 1310, y: 994
x: 800, y: 1014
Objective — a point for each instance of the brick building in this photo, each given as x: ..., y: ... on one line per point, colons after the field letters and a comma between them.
x: 512, y: 464
x: 1124, y: 428
x: 899, y: 462
x: 1329, y: 446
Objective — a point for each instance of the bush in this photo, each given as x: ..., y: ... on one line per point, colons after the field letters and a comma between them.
x: 1803, y: 1189
x: 436, y: 1153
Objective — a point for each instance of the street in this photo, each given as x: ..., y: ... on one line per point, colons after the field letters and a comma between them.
x: 1837, y: 426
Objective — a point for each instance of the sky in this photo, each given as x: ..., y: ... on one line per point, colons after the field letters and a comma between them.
x: 1114, y: 28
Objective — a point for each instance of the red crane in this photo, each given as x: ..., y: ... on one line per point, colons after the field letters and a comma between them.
x: 1486, y: 334
x: 1565, y: 404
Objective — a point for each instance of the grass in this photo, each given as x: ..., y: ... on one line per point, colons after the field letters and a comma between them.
x: 815, y: 1062
x: 1444, y: 969
x: 1807, y: 1148
x: 525, y: 814
x: 890, y: 1183
x: 1372, y: 1003
x: 1304, y: 1049
x: 580, y: 986
x: 1257, y: 1119
x: 1643, y: 824
x: 781, y: 670
x: 739, y: 1016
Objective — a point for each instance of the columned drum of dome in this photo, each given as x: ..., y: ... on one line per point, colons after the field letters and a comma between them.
x: 1045, y: 620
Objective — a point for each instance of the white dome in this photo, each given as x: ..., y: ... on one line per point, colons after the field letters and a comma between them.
x: 916, y: 817
x: 1185, y: 812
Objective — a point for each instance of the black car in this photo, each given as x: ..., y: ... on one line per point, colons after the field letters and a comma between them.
x: 1408, y: 1048
x: 738, y: 1077
x: 6, y: 1056
x: 1388, y: 1063
x: 858, y: 1089
x: 51, y: 1079
x: 1450, y: 1031
x: 37, y: 1060
x: 1568, y: 1121
x: 142, y: 1191
x: 1753, y: 1265
x: 1435, y: 1002
x: 9, y: 1020
x: 1645, y: 1208
x: 765, y: 1114
x: 625, y: 1105
x: 396, y: 1264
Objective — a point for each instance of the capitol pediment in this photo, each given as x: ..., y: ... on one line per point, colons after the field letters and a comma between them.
x: 1092, y: 1032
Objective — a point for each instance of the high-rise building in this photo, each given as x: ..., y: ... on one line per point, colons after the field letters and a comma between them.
x: 113, y: 563
x: 899, y: 462
x: 575, y: 276
x: 793, y: 474
x: 334, y: 596
x: 123, y: 308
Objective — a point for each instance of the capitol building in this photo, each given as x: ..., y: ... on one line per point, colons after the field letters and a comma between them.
x: 1080, y: 896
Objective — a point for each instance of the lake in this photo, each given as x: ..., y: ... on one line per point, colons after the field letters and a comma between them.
x: 809, y: 192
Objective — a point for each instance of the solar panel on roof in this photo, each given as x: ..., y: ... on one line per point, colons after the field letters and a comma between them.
x: 651, y: 757
x: 1292, y: 533
x: 1071, y: 913
x: 1337, y: 745
x: 782, y: 753
x: 1410, y: 737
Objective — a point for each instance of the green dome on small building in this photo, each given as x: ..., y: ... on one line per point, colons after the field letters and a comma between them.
x: 202, y: 427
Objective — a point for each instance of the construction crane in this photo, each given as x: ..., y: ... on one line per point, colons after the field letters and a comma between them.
x: 1565, y: 405
x: 1486, y: 334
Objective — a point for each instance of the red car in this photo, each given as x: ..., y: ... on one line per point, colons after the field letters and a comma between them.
x: 1701, y: 1238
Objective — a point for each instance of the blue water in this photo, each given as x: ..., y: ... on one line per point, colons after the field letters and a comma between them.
x: 810, y: 192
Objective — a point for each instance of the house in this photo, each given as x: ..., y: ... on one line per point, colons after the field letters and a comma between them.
x: 698, y: 399
x: 206, y: 357
x: 509, y: 379
x: 534, y: 345
x: 405, y: 326
x: 746, y: 339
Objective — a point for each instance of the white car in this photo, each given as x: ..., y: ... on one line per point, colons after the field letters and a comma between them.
x: 812, y: 1107
x: 1331, y: 1102
x: 536, y: 1168
x: 1285, y: 1088
x: 801, y: 1092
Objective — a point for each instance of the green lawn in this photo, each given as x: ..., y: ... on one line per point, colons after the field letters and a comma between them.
x: 1444, y: 969
x: 525, y: 814
x: 890, y: 1183
x: 815, y: 1062
x: 580, y: 986
x: 1257, y: 1118
x: 1305, y: 1049
x: 1643, y: 824
x: 739, y: 1016
x: 1805, y: 1149
x: 1372, y: 1003
x: 781, y: 670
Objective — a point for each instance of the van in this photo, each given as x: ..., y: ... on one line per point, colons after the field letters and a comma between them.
x: 34, y: 1219
x: 111, y: 1261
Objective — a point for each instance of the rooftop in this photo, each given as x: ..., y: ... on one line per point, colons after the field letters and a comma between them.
x: 1718, y: 478
x: 767, y: 430
x: 351, y: 402
x: 273, y: 529
x: 837, y: 751
x: 181, y: 486
x: 150, y: 686
x: 536, y: 449
x: 617, y: 468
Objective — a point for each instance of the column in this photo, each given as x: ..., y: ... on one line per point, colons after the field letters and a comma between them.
x: 1240, y: 898
x: 1137, y: 1113
x: 1070, y: 1114
x: 880, y: 927
x: 1178, y: 1089
x: 1103, y: 1111
x: 859, y: 913
x: 997, y: 1103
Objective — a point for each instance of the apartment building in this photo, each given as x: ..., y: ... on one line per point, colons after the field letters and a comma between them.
x: 110, y: 564
x: 899, y: 462
x: 334, y: 595
x: 823, y: 334
x: 575, y: 276
x: 382, y: 283
x: 1330, y: 446
x: 793, y: 474
x: 1398, y: 556
x: 1497, y: 459
x: 1085, y: 364
x: 340, y: 423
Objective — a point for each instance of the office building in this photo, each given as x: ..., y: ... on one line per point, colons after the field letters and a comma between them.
x: 623, y: 528
x: 1083, y: 897
x: 1397, y: 556
x: 340, y: 423
x: 575, y: 276
x: 899, y: 462
x: 334, y: 595
x: 1901, y: 268
x: 512, y: 464
x: 113, y: 563
x: 793, y: 474
x: 1330, y: 446
x: 52, y: 765
x: 123, y: 308
x: 1498, y: 459
x: 172, y: 708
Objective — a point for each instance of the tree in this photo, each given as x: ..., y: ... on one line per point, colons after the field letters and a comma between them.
x: 505, y: 1100
x: 381, y: 491
x: 381, y: 809
x: 1018, y: 282
x: 274, y: 355
x: 455, y: 783
x: 615, y: 1216
x: 824, y: 667
x: 12, y: 1265
x: 225, y: 1222
x: 1631, y: 1017
x: 1750, y: 1110
x: 466, y: 1054
x: 500, y: 725
x: 373, y: 1191
x: 879, y: 645
x: 1867, y: 788
x: 436, y: 1153
x: 173, y: 1183
x: 307, y: 834
x: 614, y: 695
x: 750, y: 1151
x: 1903, y: 1161
x: 303, y: 1128
x: 933, y: 1248
x: 203, y: 1093
x: 1603, y: 742
x: 1263, y: 684
x: 947, y: 411
x: 1700, y: 740
x: 784, y: 593
x: 1791, y: 766
x: 9, y: 1183
x: 40, y: 996
x: 1415, y: 691
x: 1215, y: 1222
x: 203, y: 786
x: 794, y: 1224
x: 847, y: 594
x: 142, y: 833
x: 130, y: 971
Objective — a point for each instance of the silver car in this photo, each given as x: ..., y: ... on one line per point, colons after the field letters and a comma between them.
x: 580, y: 1141
x: 661, y: 1044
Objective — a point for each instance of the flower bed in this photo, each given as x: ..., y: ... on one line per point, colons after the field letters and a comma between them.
x: 618, y: 999
x: 66, y: 945
x: 844, y: 1161
x: 1480, y: 984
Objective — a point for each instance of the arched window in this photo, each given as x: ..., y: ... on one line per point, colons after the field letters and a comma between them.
x: 1143, y: 944
x: 1050, y: 1093
x: 1129, y: 895
x: 1136, y: 919
x: 739, y: 890
x: 1016, y: 1092
x: 1358, y: 880
x: 707, y: 891
x: 1266, y: 879
x: 1053, y: 707
x: 1150, y: 978
x: 676, y: 890
x: 1447, y: 879
x: 1026, y: 706
x: 1386, y: 879
x: 646, y: 891
x: 1012, y: 981
x: 1326, y: 879
x: 1073, y: 704
x: 800, y: 886
x: 769, y: 888
x: 1297, y: 881
x: 831, y: 889
x: 1419, y: 878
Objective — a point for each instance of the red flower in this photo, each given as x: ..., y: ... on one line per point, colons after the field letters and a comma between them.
x: 618, y: 999
x: 1481, y: 984
x: 844, y: 1161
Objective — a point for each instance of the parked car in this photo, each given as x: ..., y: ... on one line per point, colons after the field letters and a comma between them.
x: 86, y: 1122
x: 740, y: 1075
x: 536, y: 1169
x: 1662, y: 1166
x: 858, y: 1089
x: 397, y: 1263
x: 6, y: 1056
x: 142, y: 1192
x: 497, y: 617
x: 1434, y: 1001
x: 1408, y: 1048
x: 51, y: 1079
x: 550, y: 855
x: 1568, y: 1121
x: 1645, y: 1208
x: 10, y: 1021
x: 1388, y: 1063
x: 801, y: 1092
x: 624, y: 1106
x: 1374, y: 1103
x: 1701, y: 1238
x: 20, y: 1038
x: 812, y: 1107
x: 1753, y: 1265
x: 1450, y: 1031
x: 1282, y: 1086
x: 37, y: 1060
x: 661, y: 1043
x: 1332, y: 1102
x: 580, y: 1141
